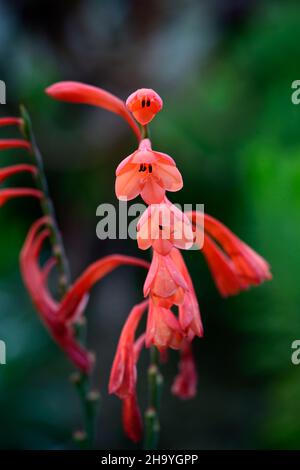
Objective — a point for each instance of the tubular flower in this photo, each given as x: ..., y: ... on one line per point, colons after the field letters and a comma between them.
x: 163, y: 329
x: 144, y: 105
x: 185, y: 383
x: 122, y: 380
x: 164, y: 282
x: 60, y: 317
x: 164, y: 226
x: 147, y: 173
x: 233, y: 264
x: 123, y: 375
x: 189, y: 313
x: 35, y: 280
x: 76, y: 92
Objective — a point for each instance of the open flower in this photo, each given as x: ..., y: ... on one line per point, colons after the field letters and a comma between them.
x: 144, y: 105
x: 164, y: 282
x: 148, y: 173
x: 164, y: 226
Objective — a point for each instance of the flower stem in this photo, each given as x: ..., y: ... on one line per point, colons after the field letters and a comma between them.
x: 155, y: 383
x: 47, y: 206
x: 82, y: 382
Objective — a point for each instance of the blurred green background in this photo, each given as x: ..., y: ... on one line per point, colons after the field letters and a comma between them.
x: 224, y: 69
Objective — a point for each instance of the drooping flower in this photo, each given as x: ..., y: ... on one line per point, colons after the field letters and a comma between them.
x: 164, y: 226
x: 60, y: 317
x: 163, y: 329
x: 233, y: 264
x: 185, y: 382
x: 122, y: 380
x: 148, y: 173
x: 189, y: 312
x: 123, y: 375
x: 144, y: 104
x: 164, y: 282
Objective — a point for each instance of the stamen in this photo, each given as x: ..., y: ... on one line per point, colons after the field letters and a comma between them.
x: 141, y: 167
x: 143, y: 103
x: 150, y: 168
x: 148, y: 102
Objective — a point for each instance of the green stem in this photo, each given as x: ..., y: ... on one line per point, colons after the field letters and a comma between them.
x: 47, y: 207
x: 155, y: 383
x: 145, y: 132
x: 82, y: 382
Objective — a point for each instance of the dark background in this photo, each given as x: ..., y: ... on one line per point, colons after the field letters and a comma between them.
x: 224, y: 70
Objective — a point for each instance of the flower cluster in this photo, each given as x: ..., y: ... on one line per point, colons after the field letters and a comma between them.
x: 173, y: 313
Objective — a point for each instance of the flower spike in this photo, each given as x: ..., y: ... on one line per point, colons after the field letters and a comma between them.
x: 76, y: 92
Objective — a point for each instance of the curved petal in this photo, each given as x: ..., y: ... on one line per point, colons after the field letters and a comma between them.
x: 170, y: 177
x: 127, y: 185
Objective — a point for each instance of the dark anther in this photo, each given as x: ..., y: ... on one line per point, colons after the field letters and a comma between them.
x: 148, y: 102
x: 141, y: 167
x: 143, y: 103
x: 150, y: 168
x: 160, y: 227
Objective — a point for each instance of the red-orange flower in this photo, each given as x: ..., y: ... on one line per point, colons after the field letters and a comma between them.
x: 122, y: 380
x: 164, y: 226
x: 123, y: 375
x: 185, y: 382
x: 164, y: 282
x: 76, y: 92
x: 233, y: 264
x: 163, y: 329
x: 148, y: 173
x: 189, y: 312
x: 144, y: 105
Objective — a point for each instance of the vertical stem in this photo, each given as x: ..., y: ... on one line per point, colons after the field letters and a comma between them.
x: 155, y: 383
x: 47, y: 207
x: 88, y: 397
